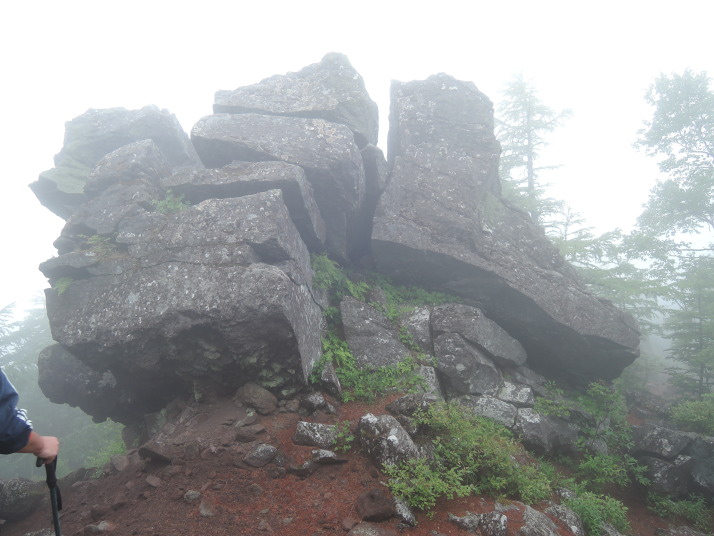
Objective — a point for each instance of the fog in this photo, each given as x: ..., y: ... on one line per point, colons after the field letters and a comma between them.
x: 598, y: 60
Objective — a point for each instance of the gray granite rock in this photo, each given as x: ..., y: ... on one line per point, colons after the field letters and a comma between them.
x: 464, y: 367
x: 475, y: 327
x: 385, y: 440
x: 326, y: 152
x: 493, y: 408
x: 371, y: 337
x: 219, y: 292
x: 331, y: 90
x: 97, y: 133
x: 238, y: 179
x: 441, y: 224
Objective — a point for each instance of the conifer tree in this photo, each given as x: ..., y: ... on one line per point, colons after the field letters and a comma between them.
x: 522, y: 122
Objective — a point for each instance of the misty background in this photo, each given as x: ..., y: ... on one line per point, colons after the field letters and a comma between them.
x: 596, y: 59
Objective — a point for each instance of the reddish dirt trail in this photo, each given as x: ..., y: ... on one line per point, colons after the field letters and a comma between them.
x: 148, y: 499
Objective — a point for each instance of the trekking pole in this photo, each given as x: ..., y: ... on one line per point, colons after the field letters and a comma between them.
x: 55, y: 496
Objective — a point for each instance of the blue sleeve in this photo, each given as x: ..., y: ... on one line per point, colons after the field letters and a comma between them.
x: 14, y: 427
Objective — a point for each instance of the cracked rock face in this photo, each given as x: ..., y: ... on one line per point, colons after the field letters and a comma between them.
x: 331, y: 90
x: 217, y: 293
x: 326, y: 151
x: 182, y: 275
x: 442, y: 224
x: 92, y: 135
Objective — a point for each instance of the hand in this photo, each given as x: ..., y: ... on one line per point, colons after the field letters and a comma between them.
x: 50, y: 448
x: 44, y: 447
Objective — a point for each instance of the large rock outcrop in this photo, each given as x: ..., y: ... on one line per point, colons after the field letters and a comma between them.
x: 177, y: 275
x: 442, y: 224
x: 331, y: 90
x: 321, y: 119
x: 218, y: 293
x: 96, y: 133
x: 326, y: 151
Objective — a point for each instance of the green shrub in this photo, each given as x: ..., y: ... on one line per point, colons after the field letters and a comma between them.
x: 594, y: 510
x: 359, y: 384
x: 403, y: 299
x: 62, y: 284
x: 554, y: 404
x: 421, y: 483
x: 344, y: 437
x: 102, y: 246
x: 329, y: 276
x: 695, y: 416
x: 597, y: 471
x: 471, y: 454
x: 692, y: 510
x: 606, y: 425
x: 171, y: 204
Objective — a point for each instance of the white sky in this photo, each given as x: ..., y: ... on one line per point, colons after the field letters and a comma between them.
x: 59, y: 58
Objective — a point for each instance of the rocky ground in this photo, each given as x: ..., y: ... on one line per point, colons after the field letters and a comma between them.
x: 211, y: 489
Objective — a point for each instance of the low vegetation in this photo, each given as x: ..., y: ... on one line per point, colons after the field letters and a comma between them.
x: 693, y: 510
x: 171, y: 204
x: 695, y: 415
x: 361, y: 383
x: 471, y: 455
x: 596, y: 509
x: 101, y: 246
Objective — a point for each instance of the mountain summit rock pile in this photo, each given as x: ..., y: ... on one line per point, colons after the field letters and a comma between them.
x: 184, y: 266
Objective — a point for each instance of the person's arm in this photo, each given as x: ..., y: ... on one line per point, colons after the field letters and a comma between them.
x: 16, y: 434
x: 44, y: 447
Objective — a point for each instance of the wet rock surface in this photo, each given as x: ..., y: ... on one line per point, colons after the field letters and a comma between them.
x: 441, y: 224
x: 177, y: 282
x: 94, y: 134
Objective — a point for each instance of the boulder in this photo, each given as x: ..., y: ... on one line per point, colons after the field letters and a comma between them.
x: 404, y: 512
x: 545, y: 434
x: 260, y: 455
x: 516, y: 394
x: 327, y: 457
x: 493, y: 408
x: 488, y: 524
x: 217, y: 293
x: 20, y: 498
x: 530, y: 378
x: 375, y: 505
x: 101, y: 216
x: 141, y: 160
x: 371, y: 337
x: 406, y: 407
x: 431, y: 385
x: 569, y: 518
x: 702, y: 452
x: 464, y: 368
x: 257, y: 397
x: 473, y: 326
x: 669, y: 478
x: 246, y: 178
x: 536, y: 523
x: 384, y: 439
x: 96, y: 133
x: 314, y: 434
x: 65, y: 379
x: 441, y: 224
x: 331, y: 90
x: 418, y: 326
x: 660, y: 442
x: 370, y: 529
x: 326, y: 151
